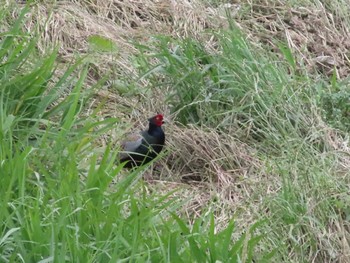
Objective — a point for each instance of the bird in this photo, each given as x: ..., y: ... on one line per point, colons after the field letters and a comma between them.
x: 141, y: 148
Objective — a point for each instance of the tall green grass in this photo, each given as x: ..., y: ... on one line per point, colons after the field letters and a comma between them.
x: 54, y: 208
x: 235, y: 88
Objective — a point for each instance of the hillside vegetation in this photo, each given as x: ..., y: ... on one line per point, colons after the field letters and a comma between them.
x: 256, y: 98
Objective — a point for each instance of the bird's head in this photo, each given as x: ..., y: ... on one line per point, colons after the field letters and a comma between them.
x: 157, y: 120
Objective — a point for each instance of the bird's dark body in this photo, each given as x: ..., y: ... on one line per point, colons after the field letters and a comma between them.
x: 152, y: 144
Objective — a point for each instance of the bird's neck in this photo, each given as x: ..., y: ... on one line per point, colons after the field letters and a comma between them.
x: 154, y: 129
x: 156, y: 132
x: 155, y: 136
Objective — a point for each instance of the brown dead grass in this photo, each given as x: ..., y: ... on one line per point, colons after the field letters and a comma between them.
x: 211, y: 171
x: 319, y: 38
x: 205, y: 155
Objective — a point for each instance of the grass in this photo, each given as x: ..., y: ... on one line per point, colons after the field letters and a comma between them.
x: 257, y: 159
x: 55, y: 209
x: 251, y: 93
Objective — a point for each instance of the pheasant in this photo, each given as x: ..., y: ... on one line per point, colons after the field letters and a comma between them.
x: 141, y: 148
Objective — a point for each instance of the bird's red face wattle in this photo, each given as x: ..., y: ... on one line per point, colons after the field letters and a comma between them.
x: 158, y: 120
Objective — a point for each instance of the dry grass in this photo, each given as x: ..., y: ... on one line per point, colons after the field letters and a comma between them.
x: 70, y: 23
x: 206, y: 155
x: 216, y: 166
x: 319, y: 38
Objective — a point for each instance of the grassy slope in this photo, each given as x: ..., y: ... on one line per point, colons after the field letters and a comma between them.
x: 257, y: 132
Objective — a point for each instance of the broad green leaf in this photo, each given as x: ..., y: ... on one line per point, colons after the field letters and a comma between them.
x: 101, y: 44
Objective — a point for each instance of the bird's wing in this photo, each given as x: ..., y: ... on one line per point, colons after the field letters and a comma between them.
x: 130, y: 144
